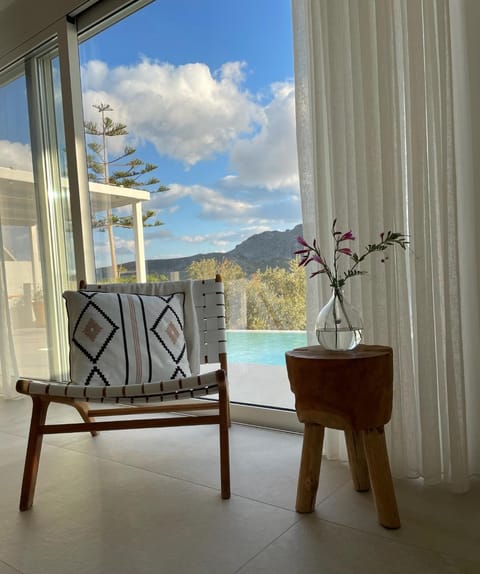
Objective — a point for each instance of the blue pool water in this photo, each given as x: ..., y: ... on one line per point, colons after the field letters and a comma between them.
x: 263, y: 347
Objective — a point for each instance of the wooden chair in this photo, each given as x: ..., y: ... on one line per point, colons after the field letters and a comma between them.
x: 209, y: 304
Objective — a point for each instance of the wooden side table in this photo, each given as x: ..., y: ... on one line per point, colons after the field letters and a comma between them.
x: 351, y: 391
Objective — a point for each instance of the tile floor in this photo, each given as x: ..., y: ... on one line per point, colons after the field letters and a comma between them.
x: 138, y: 502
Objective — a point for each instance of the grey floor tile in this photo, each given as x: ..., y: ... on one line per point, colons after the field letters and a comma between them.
x: 316, y: 546
x: 6, y: 569
x: 148, y: 501
x: 431, y: 516
x: 15, y: 414
x: 94, y: 516
x: 267, y: 472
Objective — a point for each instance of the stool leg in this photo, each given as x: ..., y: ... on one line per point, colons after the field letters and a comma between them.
x: 309, y: 467
x: 357, y: 460
x: 381, y: 477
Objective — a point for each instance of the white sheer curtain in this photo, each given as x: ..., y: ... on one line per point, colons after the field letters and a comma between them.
x: 383, y: 142
x: 8, y: 365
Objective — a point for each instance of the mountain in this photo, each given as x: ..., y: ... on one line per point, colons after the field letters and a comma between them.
x: 267, y: 249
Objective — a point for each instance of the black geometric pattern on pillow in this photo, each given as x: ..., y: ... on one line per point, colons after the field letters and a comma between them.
x: 125, y: 338
x: 97, y: 374
x: 98, y: 328
x: 167, y: 329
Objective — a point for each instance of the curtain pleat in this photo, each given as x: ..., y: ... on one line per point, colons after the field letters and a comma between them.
x: 378, y: 143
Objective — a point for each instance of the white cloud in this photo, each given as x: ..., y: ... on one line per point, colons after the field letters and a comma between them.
x: 252, y: 213
x: 220, y: 239
x: 269, y: 159
x: 95, y: 75
x: 187, y: 112
x: 212, y: 204
x: 160, y: 232
x: 124, y: 246
x: 124, y: 249
x: 15, y: 155
x: 194, y: 238
x: 190, y: 114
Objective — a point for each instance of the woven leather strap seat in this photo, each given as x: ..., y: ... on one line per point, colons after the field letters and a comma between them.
x: 179, y: 389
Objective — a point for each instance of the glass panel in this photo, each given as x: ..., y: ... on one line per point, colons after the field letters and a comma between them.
x: 19, y: 228
x: 200, y: 97
x: 37, y: 257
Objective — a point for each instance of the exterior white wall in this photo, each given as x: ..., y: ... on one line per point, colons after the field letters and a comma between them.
x: 18, y: 273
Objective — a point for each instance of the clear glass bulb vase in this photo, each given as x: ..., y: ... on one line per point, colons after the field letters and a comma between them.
x: 338, y: 326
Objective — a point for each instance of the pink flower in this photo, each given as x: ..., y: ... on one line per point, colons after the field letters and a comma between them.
x: 318, y: 259
x: 302, y: 241
x: 348, y: 235
x: 336, y: 274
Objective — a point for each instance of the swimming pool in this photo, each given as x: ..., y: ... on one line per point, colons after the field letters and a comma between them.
x: 263, y: 347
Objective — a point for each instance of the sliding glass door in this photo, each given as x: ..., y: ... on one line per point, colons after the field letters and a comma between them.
x: 35, y: 220
x: 189, y: 119
x: 20, y: 230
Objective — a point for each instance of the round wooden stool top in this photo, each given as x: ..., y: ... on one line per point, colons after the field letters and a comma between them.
x: 346, y: 390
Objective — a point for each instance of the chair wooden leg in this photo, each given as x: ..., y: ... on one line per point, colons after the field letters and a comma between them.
x: 224, y: 414
x: 224, y: 461
x: 34, y: 447
x: 309, y: 467
x: 83, y: 409
x: 229, y: 415
x: 381, y: 477
x: 357, y: 460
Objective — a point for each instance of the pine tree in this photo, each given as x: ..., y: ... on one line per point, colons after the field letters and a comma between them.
x: 126, y: 171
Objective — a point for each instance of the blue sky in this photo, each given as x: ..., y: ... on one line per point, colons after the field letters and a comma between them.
x: 206, y: 91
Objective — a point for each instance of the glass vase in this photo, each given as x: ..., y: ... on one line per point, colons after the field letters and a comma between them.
x: 338, y: 326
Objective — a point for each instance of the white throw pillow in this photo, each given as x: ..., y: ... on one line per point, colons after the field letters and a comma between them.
x: 125, y: 338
